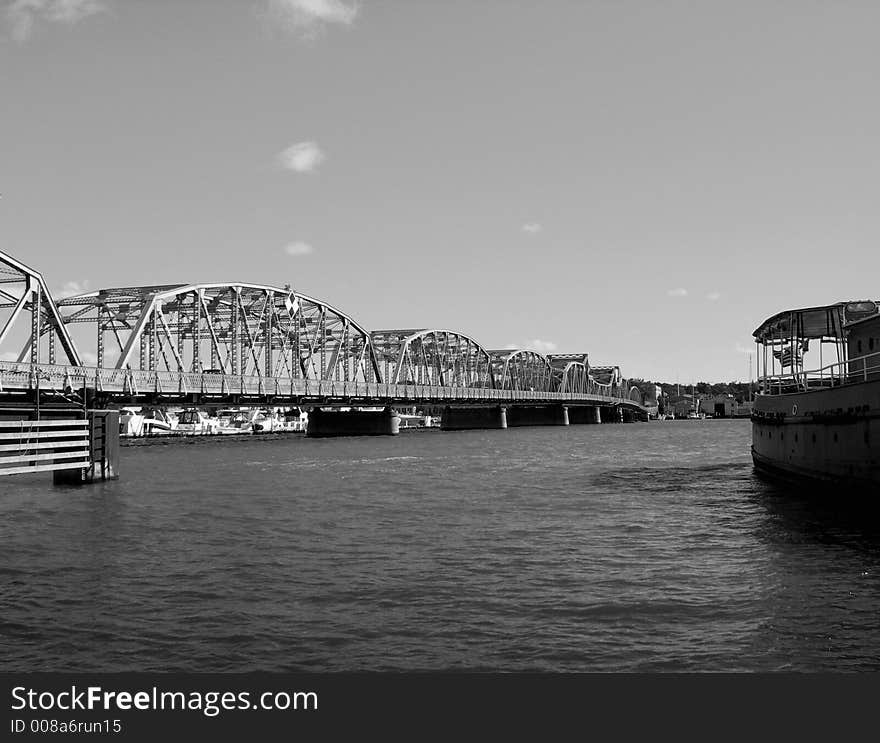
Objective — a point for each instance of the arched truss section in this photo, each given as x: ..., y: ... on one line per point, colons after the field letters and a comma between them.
x: 606, y: 375
x: 432, y: 357
x: 29, y: 319
x: 237, y: 329
x: 570, y: 372
x: 522, y: 371
x: 635, y: 394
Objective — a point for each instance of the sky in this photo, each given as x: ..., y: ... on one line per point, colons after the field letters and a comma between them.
x: 641, y: 181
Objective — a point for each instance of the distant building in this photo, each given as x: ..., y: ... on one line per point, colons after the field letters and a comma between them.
x: 682, y: 406
x: 724, y: 406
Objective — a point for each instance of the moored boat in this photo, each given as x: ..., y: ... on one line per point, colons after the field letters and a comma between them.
x: 812, y: 419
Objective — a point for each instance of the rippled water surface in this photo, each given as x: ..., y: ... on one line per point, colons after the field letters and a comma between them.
x: 633, y: 547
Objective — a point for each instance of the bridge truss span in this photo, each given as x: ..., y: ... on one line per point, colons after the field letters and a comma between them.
x: 432, y: 357
x: 30, y: 318
x: 247, y: 330
x: 522, y: 370
x: 257, y: 344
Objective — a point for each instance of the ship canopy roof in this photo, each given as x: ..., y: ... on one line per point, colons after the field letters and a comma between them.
x: 815, y: 322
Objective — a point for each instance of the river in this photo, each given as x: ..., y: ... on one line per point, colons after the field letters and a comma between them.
x: 629, y: 547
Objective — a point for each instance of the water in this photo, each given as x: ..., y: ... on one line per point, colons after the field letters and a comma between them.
x: 639, y: 547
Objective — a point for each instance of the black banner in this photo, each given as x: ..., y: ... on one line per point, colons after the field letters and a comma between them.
x: 144, y: 706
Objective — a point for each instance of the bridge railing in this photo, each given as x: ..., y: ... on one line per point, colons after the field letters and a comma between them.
x: 132, y: 382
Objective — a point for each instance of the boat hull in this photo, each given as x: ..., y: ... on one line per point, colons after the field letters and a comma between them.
x: 829, y: 435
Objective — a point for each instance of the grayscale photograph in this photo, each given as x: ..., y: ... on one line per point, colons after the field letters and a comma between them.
x: 433, y: 337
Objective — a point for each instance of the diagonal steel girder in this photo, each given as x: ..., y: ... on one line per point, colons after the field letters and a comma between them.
x: 235, y: 329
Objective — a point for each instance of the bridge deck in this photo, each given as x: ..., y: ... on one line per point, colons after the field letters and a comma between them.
x: 123, y: 384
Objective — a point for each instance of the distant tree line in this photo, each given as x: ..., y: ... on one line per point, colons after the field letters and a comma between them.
x: 739, y: 390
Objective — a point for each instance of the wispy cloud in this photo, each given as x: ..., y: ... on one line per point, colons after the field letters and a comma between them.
x: 309, y: 17
x: 71, y: 289
x: 677, y: 292
x: 23, y: 15
x: 532, y: 227
x: 744, y: 349
x: 298, y: 248
x: 302, y: 157
x: 533, y: 345
x: 713, y: 296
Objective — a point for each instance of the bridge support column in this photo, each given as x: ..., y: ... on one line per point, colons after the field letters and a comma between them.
x: 584, y: 414
x: 611, y: 414
x: 456, y: 418
x: 537, y: 415
x: 324, y: 423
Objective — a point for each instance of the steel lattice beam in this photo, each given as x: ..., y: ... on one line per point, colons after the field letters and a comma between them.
x: 432, y: 357
x: 234, y: 329
x: 24, y: 293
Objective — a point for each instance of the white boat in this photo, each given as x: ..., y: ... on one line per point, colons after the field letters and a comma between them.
x: 134, y: 421
x: 235, y: 421
x: 193, y: 422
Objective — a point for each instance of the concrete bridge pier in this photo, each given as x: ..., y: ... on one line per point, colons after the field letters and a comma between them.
x: 326, y: 423
x: 537, y: 415
x: 458, y: 418
x: 611, y: 414
x: 584, y: 414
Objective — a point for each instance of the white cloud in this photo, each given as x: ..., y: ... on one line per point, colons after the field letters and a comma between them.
x: 9, y: 356
x: 713, y: 296
x: 299, y: 248
x: 23, y: 14
x: 533, y: 345
x: 309, y: 17
x: 744, y: 349
x: 541, y: 346
x: 302, y: 157
x: 677, y: 292
x: 88, y: 358
x: 531, y: 227
x: 70, y: 289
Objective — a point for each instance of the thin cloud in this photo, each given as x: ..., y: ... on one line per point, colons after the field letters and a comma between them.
x: 536, y: 344
x: 532, y: 227
x: 308, y: 18
x: 744, y: 349
x: 299, y: 248
x: 713, y: 296
x: 541, y: 346
x: 677, y: 292
x: 302, y: 157
x: 23, y: 15
x: 71, y: 289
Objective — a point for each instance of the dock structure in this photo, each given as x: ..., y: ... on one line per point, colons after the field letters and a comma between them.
x: 255, y: 344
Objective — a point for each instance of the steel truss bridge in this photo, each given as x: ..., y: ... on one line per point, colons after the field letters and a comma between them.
x: 239, y: 343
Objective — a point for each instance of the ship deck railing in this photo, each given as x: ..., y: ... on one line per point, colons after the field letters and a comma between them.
x: 852, y: 371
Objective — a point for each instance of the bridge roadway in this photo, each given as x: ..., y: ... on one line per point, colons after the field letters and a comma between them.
x: 21, y: 381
